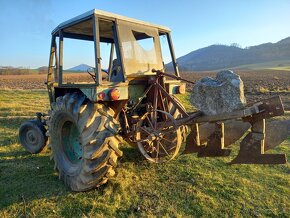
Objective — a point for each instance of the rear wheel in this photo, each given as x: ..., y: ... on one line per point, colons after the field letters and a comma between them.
x: 84, y: 141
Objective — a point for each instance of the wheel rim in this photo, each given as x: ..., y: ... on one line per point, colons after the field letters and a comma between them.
x: 31, y: 137
x: 70, y: 142
x: 158, y: 142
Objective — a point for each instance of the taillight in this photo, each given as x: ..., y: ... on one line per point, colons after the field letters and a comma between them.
x: 114, y: 94
x: 181, y: 89
x: 101, y: 95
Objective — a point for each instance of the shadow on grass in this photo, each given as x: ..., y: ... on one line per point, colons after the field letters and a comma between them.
x: 27, y: 177
x: 8, y: 155
x: 131, y: 155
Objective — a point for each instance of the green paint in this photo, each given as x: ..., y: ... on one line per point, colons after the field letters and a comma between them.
x: 90, y: 93
x: 70, y: 142
x: 136, y: 91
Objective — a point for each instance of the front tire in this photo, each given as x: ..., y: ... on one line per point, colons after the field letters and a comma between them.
x: 84, y: 141
x: 32, y: 136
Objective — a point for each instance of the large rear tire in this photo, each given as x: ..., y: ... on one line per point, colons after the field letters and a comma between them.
x: 84, y: 141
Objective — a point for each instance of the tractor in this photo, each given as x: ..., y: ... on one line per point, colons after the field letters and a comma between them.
x: 133, y: 100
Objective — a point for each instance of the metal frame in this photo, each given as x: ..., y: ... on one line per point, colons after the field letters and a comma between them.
x: 96, y: 38
x: 252, y: 147
x: 160, y: 98
x: 111, y: 58
x: 107, y: 16
x: 173, y: 58
x: 97, y: 50
x: 60, y: 64
x: 53, y: 52
x: 119, y: 50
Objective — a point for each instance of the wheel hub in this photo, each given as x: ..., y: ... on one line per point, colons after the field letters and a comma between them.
x: 31, y: 136
x: 70, y: 142
x: 156, y: 136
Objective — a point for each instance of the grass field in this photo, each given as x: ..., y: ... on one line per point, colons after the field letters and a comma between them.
x: 185, y: 187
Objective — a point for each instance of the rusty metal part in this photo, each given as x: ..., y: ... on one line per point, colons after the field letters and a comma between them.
x: 193, y: 141
x: 188, y: 119
x: 233, y: 131
x: 276, y: 132
x: 161, y: 73
x: 252, y: 147
x: 217, y: 135
x: 216, y: 144
x: 157, y: 134
x: 261, y: 110
x: 247, y: 112
x: 268, y: 108
x: 176, y: 104
x: 158, y: 142
x: 212, y: 134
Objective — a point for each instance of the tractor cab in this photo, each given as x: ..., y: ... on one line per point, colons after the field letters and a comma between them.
x: 135, y: 50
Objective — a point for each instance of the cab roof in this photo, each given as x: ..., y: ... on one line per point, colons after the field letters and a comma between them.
x: 108, y: 16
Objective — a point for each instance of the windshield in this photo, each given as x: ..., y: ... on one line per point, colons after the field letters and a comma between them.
x: 141, y: 48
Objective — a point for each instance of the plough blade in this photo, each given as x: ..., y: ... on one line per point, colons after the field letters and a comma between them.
x: 233, y: 131
x: 216, y: 143
x: 252, y: 147
x: 276, y: 133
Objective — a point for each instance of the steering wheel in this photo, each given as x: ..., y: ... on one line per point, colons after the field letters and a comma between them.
x: 92, y: 74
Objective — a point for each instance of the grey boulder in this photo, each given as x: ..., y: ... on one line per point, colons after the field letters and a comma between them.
x: 223, y: 94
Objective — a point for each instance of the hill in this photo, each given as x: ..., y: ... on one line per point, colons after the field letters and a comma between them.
x: 44, y: 68
x: 9, y: 70
x: 223, y: 56
x: 81, y: 67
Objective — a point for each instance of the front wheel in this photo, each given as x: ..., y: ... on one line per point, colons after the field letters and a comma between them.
x: 32, y: 136
x: 84, y: 141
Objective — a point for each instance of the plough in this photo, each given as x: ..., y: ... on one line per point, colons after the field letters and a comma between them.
x: 253, y: 146
x: 212, y: 134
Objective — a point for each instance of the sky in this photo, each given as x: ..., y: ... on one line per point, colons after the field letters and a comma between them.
x: 26, y: 25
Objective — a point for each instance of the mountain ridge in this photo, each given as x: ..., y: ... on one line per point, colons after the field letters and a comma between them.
x: 80, y: 67
x: 215, y: 57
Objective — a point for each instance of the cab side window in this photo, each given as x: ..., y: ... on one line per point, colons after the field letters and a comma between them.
x: 110, y: 61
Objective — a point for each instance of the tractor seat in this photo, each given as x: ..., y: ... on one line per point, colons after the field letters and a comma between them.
x: 116, y: 74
